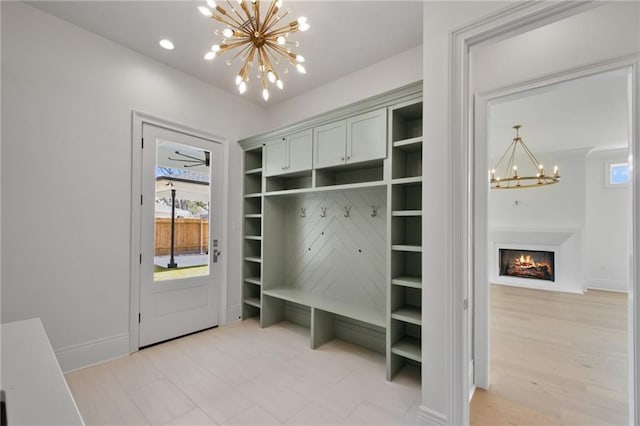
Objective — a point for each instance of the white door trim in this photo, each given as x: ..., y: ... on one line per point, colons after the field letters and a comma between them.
x: 137, y: 120
x: 505, y: 23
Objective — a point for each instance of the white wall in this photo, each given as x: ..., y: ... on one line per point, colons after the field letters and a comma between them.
x: 66, y: 174
x: 440, y: 19
x: 612, y: 32
x: 396, y: 71
x: 607, y: 224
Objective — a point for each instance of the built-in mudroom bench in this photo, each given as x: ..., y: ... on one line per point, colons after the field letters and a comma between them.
x: 333, y: 226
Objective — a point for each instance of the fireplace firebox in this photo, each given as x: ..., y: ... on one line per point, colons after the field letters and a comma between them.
x: 532, y: 264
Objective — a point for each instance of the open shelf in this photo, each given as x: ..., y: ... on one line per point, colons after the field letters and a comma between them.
x: 253, y: 237
x: 407, y: 281
x: 408, y: 347
x: 335, y: 306
x: 401, y: 213
x: 253, y: 259
x: 252, y: 205
x: 408, y: 313
x: 254, y: 195
x: 407, y: 122
x: 253, y: 280
x: 406, y: 180
x: 406, y: 197
x: 407, y: 161
x: 404, y: 247
x: 253, y: 301
x: 292, y: 181
x: 371, y: 171
x: 253, y: 171
x: 410, y: 144
x: 253, y: 158
x: 252, y: 248
x: 252, y: 183
x: 406, y: 230
x: 345, y: 187
x: 253, y: 216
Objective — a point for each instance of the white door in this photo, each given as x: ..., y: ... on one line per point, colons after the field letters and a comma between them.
x: 180, y: 274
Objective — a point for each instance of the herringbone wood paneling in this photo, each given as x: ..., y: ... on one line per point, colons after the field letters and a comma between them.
x: 337, y: 256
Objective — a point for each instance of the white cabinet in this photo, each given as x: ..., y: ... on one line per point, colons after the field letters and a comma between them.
x: 289, y: 154
x: 356, y: 139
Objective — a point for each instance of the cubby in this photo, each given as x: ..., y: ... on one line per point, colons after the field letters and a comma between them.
x: 253, y: 225
x: 406, y: 268
x: 288, y: 182
x: 406, y: 122
x: 406, y: 230
x: 406, y: 198
x: 252, y: 183
x: 350, y: 174
x: 407, y: 160
x: 253, y: 159
x: 253, y: 205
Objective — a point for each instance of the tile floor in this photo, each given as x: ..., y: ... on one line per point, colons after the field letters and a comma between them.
x: 242, y: 374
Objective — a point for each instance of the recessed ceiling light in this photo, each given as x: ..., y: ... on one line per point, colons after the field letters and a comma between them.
x: 166, y: 44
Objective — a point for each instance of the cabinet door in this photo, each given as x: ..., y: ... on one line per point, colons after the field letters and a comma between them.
x: 300, y: 151
x: 367, y: 136
x: 329, y: 144
x: 275, y: 157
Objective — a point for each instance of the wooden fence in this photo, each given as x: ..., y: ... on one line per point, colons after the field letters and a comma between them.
x: 191, y: 236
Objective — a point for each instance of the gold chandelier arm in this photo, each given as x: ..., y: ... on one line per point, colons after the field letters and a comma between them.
x: 244, y: 7
x: 236, y: 12
x: 511, y: 158
x: 274, y: 23
x: 221, y: 18
x: 241, y: 51
x: 270, y: 12
x: 284, y: 52
x: 532, y: 157
x: 256, y: 12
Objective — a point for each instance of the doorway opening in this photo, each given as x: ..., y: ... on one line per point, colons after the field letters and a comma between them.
x: 557, y: 258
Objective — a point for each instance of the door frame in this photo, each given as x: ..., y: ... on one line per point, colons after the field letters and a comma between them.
x: 503, y: 24
x: 137, y: 120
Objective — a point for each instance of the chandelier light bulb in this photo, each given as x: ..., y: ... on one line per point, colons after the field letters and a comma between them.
x: 281, y: 40
x: 279, y: 4
x: 242, y: 87
x: 303, y: 27
x: 280, y: 84
x: 302, y: 20
x: 271, y: 76
x: 301, y: 69
x: 265, y: 94
x: 209, y: 56
x: 166, y: 44
x: 300, y: 58
x: 238, y: 79
x: 205, y: 11
x: 227, y: 32
x: 215, y: 47
x: 211, y: 4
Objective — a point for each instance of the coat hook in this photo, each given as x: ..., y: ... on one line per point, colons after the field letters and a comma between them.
x: 347, y: 209
x: 324, y: 212
x: 303, y: 212
x: 374, y: 210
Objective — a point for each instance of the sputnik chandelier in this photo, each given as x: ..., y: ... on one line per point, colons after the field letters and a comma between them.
x: 512, y: 179
x: 258, y: 38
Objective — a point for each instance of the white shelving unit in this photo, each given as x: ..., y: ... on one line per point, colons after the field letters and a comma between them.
x: 405, y: 243
x: 337, y: 248
x: 252, y: 232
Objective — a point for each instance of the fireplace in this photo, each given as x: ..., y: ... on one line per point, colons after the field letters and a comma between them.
x: 533, y: 264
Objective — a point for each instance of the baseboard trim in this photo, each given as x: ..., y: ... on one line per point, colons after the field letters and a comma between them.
x: 234, y: 313
x: 608, y: 285
x: 431, y: 417
x: 86, y: 354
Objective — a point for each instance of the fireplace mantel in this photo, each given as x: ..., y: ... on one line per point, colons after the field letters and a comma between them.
x: 565, y: 243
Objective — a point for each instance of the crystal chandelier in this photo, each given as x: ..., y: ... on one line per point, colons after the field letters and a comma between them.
x: 257, y: 37
x: 536, y: 176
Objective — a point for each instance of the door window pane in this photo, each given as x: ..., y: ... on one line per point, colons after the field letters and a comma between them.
x: 182, y: 205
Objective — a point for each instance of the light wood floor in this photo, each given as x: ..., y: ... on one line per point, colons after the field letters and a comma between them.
x: 241, y: 374
x: 556, y: 359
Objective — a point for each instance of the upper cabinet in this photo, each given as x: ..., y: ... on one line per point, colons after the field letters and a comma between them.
x: 356, y: 139
x: 289, y: 154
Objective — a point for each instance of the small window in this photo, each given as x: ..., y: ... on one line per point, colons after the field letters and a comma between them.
x: 618, y: 174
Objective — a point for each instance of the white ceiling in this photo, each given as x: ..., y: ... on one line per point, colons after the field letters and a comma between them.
x: 584, y: 113
x: 345, y: 36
